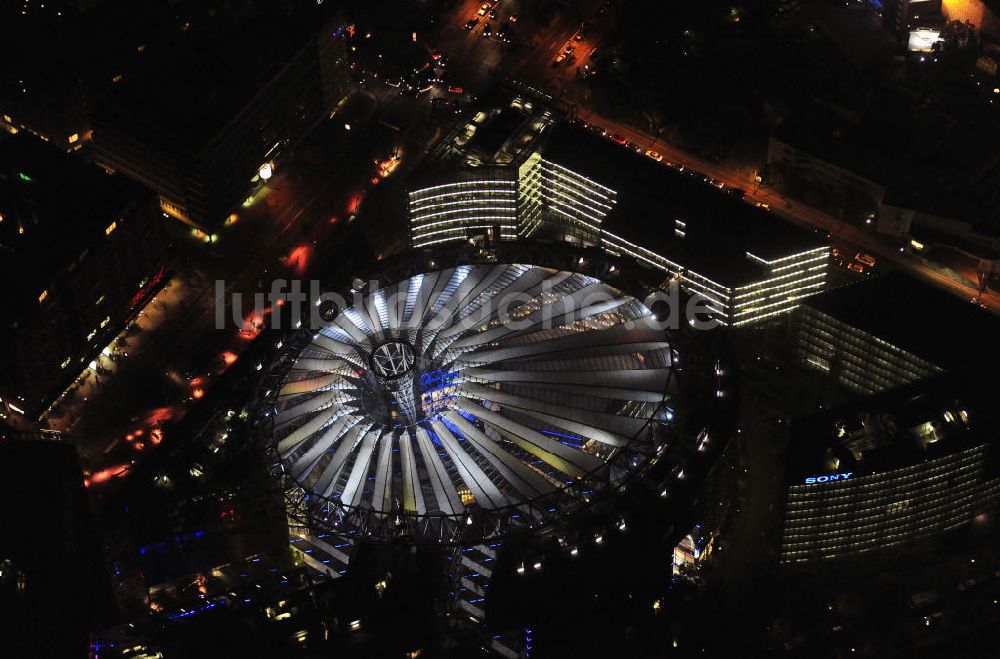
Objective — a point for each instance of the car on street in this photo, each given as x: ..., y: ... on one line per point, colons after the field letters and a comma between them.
x: 472, y: 23
x: 484, y: 8
x: 867, y: 259
x: 654, y: 155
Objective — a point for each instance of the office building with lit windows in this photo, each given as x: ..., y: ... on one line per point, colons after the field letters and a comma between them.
x: 892, y: 470
x: 463, y: 205
x: 199, y: 123
x: 83, y: 251
x: 575, y: 186
x: 554, y: 197
x: 750, y: 265
x: 875, y: 335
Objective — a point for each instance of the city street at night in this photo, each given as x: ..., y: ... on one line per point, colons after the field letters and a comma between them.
x: 522, y: 329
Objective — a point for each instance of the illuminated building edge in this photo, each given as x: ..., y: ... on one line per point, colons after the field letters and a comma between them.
x: 506, y: 209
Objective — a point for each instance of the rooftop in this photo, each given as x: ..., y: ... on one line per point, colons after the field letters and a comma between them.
x: 53, y: 207
x: 921, y: 421
x: 720, y: 227
x: 195, y: 78
x: 921, y: 319
x: 866, y: 148
x: 491, y: 137
x: 891, y: 142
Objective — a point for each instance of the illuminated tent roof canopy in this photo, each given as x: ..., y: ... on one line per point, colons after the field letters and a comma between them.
x: 467, y: 401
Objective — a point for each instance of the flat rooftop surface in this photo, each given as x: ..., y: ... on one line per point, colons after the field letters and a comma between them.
x: 921, y: 319
x: 194, y: 88
x: 64, y: 206
x: 884, y: 429
x: 188, y: 66
x: 493, y: 135
x: 720, y: 227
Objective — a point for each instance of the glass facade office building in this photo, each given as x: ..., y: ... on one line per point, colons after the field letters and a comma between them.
x: 552, y: 193
x: 477, y: 202
x: 892, y: 470
x: 747, y: 265
x: 860, y: 361
x: 834, y: 519
x: 872, y: 336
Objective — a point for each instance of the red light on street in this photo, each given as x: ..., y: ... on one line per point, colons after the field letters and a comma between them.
x: 229, y: 358
x: 139, y: 446
x: 106, y: 474
x: 229, y: 514
x: 197, y: 394
x: 195, y: 381
x: 253, y: 324
x: 298, y: 259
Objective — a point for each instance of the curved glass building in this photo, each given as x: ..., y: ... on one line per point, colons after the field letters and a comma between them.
x: 458, y: 403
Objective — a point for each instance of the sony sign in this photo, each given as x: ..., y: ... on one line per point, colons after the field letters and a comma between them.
x: 826, y: 479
